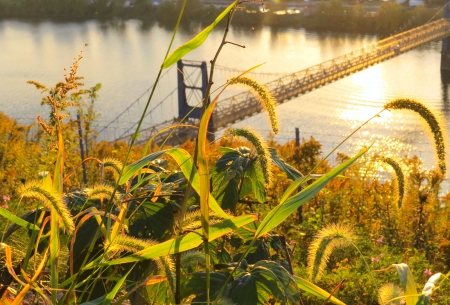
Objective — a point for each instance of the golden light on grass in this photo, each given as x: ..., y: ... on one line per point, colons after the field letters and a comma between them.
x: 264, y: 96
x: 260, y: 145
x: 432, y: 120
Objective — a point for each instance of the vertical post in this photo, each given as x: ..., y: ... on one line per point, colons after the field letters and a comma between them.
x: 297, y: 144
x: 80, y: 134
x: 445, y: 53
x: 297, y: 137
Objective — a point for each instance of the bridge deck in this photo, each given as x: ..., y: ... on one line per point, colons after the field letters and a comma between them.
x: 240, y: 106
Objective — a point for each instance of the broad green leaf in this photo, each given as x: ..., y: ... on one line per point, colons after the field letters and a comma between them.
x: 257, y: 287
x: 227, y: 176
x: 158, y: 293
x: 284, y: 277
x: 17, y: 220
x: 256, y: 174
x: 186, y: 242
x: 309, y: 287
x: 283, y: 210
x: 151, y: 220
x: 259, y: 251
x: 195, y: 283
x: 196, y: 41
x: 408, y: 284
x: 184, y: 160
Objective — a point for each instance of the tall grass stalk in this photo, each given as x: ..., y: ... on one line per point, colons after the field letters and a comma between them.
x: 432, y: 120
x: 400, y: 179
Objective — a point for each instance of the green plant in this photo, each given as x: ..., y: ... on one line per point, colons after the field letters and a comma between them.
x: 170, y: 230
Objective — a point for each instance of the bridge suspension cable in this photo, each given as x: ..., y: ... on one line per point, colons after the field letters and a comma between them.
x: 148, y: 113
x: 410, y: 21
x: 133, y: 103
x: 237, y: 71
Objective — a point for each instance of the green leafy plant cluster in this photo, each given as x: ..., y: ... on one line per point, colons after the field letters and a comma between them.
x: 174, y: 227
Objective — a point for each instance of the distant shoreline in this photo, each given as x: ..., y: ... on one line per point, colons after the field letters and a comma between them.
x: 373, y: 17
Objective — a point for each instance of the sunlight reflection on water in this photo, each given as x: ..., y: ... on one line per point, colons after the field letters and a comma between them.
x: 125, y: 56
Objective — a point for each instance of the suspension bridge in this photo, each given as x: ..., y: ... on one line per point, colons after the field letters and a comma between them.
x: 286, y: 87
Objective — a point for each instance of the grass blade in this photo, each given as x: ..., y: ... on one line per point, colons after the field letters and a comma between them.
x: 185, y: 242
x: 17, y: 220
x: 309, y: 287
x: 196, y: 41
x: 282, y: 211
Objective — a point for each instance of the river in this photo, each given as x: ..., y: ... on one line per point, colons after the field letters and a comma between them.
x: 125, y: 57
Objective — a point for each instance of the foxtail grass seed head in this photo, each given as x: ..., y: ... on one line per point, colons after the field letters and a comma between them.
x: 261, y: 148
x: 127, y: 243
x: 190, y: 258
x: 36, y: 190
x: 433, y: 121
x: 328, y: 239
x: 388, y: 292
x: 400, y: 179
x: 100, y: 191
x: 264, y: 96
x: 114, y: 164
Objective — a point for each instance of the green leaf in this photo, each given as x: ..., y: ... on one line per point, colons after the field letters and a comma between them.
x: 185, y: 242
x: 97, y: 301
x: 256, y: 174
x: 294, y: 187
x: 227, y: 176
x: 283, y: 210
x: 257, y: 287
x: 408, y: 283
x: 184, y: 160
x: 196, y: 41
x: 151, y: 220
x: 290, y: 171
x: 111, y: 295
x: 17, y: 220
x: 315, y: 290
x: 195, y: 283
x: 159, y: 293
x: 258, y: 252
x: 284, y: 278
x: 132, y: 169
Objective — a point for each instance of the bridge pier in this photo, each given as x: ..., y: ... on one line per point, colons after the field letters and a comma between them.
x: 184, y: 109
x: 445, y: 53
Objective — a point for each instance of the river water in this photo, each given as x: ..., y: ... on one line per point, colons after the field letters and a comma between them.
x: 125, y: 56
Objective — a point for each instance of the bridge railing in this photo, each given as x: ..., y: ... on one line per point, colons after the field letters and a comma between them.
x: 243, y: 105
x: 240, y: 106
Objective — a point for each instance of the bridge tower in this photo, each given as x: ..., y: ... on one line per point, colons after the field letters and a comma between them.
x: 184, y: 69
x: 445, y: 54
